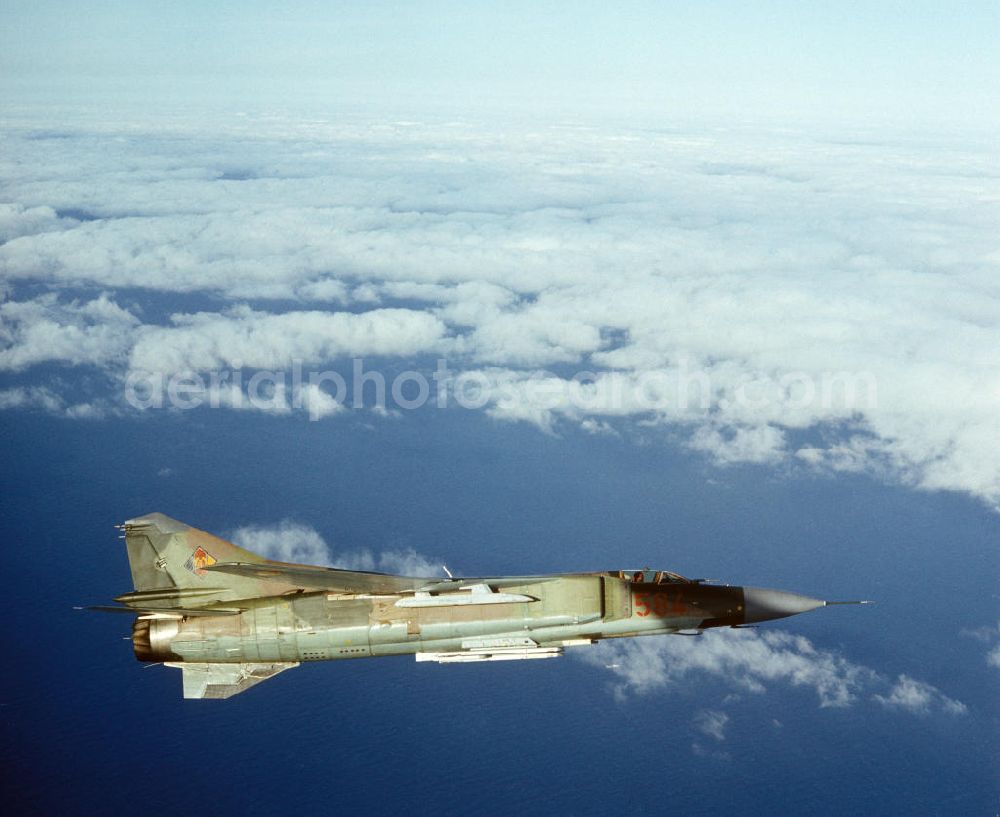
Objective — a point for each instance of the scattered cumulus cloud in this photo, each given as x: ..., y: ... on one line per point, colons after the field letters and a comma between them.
x: 407, y: 562
x: 289, y: 541
x: 991, y: 637
x: 919, y: 697
x: 285, y: 542
x: 41, y: 398
x: 751, y: 662
x: 762, y: 443
x: 712, y: 722
x: 33, y: 397
x: 318, y: 403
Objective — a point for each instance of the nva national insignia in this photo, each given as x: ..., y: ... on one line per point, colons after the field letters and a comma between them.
x: 199, y: 560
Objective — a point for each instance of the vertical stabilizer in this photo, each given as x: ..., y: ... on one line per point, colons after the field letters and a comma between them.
x: 164, y: 553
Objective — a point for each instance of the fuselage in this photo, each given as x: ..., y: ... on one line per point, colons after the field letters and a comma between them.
x: 560, y: 611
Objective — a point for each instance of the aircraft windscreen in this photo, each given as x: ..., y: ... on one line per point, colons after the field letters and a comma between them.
x: 647, y: 576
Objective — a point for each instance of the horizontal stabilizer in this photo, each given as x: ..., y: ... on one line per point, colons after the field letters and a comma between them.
x: 225, y: 680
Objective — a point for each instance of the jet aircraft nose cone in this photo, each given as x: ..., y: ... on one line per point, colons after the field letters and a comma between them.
x: 761, y: 604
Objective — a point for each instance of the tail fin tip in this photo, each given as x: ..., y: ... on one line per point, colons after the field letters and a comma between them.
x: 160, y: 521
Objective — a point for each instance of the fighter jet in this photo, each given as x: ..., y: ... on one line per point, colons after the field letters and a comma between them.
x: 229, y: 619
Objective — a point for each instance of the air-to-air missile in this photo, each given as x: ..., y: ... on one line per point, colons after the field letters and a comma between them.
x: 229, y: 618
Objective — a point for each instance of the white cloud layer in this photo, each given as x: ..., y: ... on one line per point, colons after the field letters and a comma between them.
x: 766, y: 269
x: 751, y: 662
x: 243, y: 337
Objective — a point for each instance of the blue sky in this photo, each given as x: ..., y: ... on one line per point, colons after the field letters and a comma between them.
x: 711, y: 287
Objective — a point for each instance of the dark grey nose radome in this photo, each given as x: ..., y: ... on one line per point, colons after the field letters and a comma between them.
x: 761, y: 604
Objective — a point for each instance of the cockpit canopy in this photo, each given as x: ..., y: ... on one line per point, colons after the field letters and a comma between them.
x: 647, y: 576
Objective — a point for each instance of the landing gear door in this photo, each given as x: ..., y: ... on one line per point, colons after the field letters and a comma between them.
x: 617, y: 599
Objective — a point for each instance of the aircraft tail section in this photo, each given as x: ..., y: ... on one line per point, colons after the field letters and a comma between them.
x: 165, y: 554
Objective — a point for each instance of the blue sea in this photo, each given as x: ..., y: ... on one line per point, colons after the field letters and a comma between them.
x: 88, y: 730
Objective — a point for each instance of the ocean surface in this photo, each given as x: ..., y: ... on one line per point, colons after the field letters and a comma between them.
x: 88, y: 730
